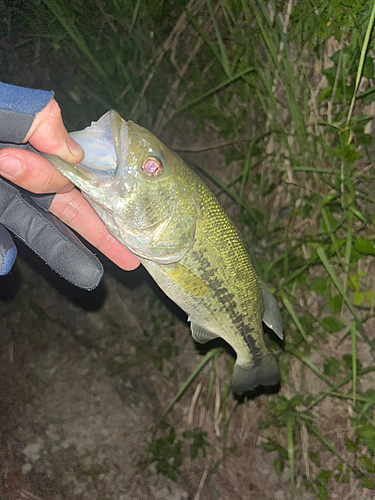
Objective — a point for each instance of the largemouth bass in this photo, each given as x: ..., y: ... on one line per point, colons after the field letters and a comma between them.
x: 164, y: 213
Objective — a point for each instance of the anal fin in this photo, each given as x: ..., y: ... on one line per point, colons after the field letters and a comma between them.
x: 201, y: 335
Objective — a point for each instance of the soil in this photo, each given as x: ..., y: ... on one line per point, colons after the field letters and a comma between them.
x: 84, y: 381
x: 85, y: 377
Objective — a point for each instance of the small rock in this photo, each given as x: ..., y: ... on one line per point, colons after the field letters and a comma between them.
x: 26, y: 468
x: 32, y: 451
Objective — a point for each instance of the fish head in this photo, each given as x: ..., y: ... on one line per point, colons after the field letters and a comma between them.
x: 143, y: 191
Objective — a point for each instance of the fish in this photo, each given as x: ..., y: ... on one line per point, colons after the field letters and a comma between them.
x: 165, y: 214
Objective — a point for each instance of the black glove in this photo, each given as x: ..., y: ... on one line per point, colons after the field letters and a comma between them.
x: 27, y: 216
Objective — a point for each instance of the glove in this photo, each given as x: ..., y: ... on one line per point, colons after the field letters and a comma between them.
x: 26, y: 215
x: 8, y: 251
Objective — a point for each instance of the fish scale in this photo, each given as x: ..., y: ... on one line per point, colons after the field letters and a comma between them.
x: 182, y: 235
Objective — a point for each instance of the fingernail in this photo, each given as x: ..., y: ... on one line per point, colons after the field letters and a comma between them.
x: 10, y: 165
x: 74, y: 147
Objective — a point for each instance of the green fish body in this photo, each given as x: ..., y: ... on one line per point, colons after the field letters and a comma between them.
x: 159, y: 209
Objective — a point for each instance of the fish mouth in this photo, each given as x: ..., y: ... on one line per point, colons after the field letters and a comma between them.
x: 105, y: 145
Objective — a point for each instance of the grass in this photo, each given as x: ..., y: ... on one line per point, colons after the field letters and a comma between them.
x: 287, y: 90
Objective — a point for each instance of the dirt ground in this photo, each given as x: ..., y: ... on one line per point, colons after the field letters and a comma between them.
x: 85, y: 377
x: 84, y: 382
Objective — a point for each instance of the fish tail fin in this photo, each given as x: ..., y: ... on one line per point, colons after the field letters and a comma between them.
x: 246, y: 379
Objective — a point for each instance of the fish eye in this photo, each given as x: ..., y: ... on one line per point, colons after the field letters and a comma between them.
x: 152, y: 166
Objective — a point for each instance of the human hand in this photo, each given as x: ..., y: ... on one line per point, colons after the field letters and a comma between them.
x: 31, y: 171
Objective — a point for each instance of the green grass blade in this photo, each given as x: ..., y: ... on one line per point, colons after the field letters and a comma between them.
x: 361, y: 61
x: 223, y: 53
x: 214, y: 90
x: 289, y: 308
x: 246, y: 169
x: 330, y: 231
x: 215, y: 353
x: 310, y: 365
x: 328, y: 445
x: 322, y: 255
x: 354, y: 359
x: 135, y: 14
x: 348, y: 249
x: 335, y: 387
x: 290, y: 441
x: 204, y: 36
x: 76, y: 36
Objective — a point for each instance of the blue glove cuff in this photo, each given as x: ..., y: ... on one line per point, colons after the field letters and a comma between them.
x: 8, y: 251
x: 18, y: 107
x: 23, y: 100
x: 8, y: 261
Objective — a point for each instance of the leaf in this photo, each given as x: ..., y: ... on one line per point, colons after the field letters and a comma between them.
x: 319, y: 286
x: 335, y: 304
x: 348, y: 362
x: 350, y: 445
x: 332, y: 367
x: 368, y: 96
x: 322, y: 492
x: 368, y: 483
x: 364, y: 245
x: 329, y: 220
x: 365, y: 139
x: 358, y: 298
x: 315, y: 458
x: 354, y: 279
x: 323, y: 477
x: 343, y: 475
x: 368, y: 68
x: 306, y: 322
x: 332, y: 324
x: 279, y: 466
x: 270, y: 445
x: 366, y: 464
x: 351, y: 154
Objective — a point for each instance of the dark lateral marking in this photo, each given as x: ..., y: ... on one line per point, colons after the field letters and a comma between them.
x: 228, y: 301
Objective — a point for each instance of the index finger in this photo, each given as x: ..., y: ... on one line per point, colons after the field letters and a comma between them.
x: 75, y: 211
x: 36, y: 174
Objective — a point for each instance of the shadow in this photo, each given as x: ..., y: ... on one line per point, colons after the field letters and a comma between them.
x: 258, y: 391
x: 9, y: 284
x: 130, y: 279
x: 89, y: 301
x: 137, y: 277
x: 270, y: 335
x: 215, y: 344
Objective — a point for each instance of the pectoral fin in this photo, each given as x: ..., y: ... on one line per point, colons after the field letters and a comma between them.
x: 186, y: 279
x: 271, y: 312
x: 200, y: 334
